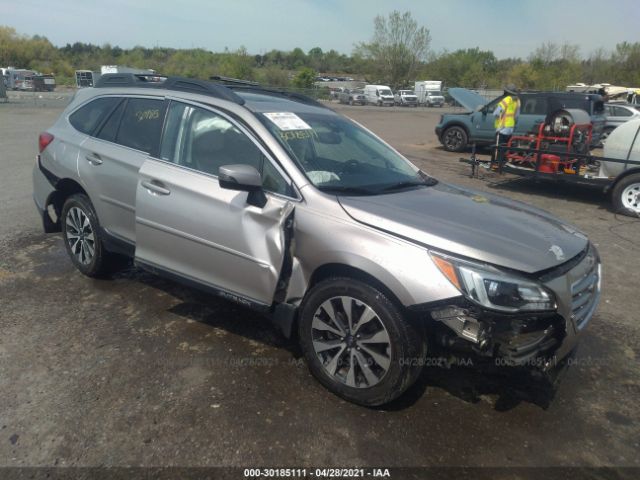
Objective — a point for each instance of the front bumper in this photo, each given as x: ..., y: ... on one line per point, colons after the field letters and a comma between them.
x: 539, y: 340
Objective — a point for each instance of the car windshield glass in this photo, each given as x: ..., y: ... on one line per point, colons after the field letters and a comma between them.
x: 385, y: 91
x: 338, y: 156
x: 436, y: 93
x: 406, y: 92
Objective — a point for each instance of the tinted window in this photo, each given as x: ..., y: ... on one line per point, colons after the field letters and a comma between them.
x: 533, y: 105
x: 141, y: 124
x: 87, y: 118
x: 201, y: 140
x: 109, y: 129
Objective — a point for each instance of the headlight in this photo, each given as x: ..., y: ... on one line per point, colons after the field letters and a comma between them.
x: 492, y: 288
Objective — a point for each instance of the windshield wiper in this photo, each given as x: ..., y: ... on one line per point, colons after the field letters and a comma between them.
x: 427, y: 182
x: 346, y: 190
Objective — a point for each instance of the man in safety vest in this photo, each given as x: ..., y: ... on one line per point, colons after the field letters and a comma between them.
x: 506, y: 115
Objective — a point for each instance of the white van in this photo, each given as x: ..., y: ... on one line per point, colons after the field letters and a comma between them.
x: 380, y: 95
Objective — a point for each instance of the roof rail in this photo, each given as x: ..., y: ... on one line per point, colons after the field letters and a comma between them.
x: 125, y: 79
x: 182, y: 84
x: 280, y: 91
x: 232, y: 81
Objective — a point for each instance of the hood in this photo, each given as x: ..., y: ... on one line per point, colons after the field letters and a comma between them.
x: 468, y: 99
x: 472, y: 224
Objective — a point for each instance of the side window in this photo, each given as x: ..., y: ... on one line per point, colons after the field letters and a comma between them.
x: 202, y: 140
x: 621, y: 112
x: 109, y: 129
x: 87, y: 117
x: 141, y: 124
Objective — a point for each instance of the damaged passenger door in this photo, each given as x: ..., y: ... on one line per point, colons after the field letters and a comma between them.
x: 188, y: 225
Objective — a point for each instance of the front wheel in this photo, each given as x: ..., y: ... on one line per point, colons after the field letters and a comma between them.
x: 357, y: 343
x: 454, y: 139
x: 626, y: 196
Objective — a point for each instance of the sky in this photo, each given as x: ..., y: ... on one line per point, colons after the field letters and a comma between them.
x: 508, y: 28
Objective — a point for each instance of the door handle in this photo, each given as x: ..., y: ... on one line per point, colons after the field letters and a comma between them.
x: 154, y: 186
x: 93, y: 159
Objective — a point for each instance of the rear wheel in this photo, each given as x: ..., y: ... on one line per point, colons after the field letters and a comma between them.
x: 626, y: 196
x: 82, y: 237
x: 357, y: 343
x: 454, y: 139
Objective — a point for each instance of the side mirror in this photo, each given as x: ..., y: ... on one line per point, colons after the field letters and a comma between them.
x: 239, y: 177
x: 244, y: 178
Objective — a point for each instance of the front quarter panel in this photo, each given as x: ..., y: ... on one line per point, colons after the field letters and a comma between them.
x: 323, y: 237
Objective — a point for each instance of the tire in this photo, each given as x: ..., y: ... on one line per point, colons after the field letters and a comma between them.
x: 357, y: 369
x: 626, y: 196
x: 454, y: 139
x: 86, y: 250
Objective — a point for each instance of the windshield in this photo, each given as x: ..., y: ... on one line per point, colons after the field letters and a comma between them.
x: 435, y: 93
x: 406, y: 92
x: 339, y: 156
x: 385, y: 91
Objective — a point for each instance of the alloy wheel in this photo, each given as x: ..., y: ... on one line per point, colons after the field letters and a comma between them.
x: 351, y: 342
x: 80, y: 235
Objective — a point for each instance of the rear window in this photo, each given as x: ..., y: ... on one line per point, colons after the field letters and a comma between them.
x: 141, y: 124
x: 89, y: 116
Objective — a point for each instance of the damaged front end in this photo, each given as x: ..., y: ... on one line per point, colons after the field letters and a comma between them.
x: 509, y: 340
x: 517, y: 320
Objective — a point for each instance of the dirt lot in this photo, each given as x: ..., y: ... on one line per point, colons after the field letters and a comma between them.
x: 136, y: 370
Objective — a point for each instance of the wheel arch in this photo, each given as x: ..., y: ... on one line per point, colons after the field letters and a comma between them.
x: 632, y: 171
x: 64, y: 188
x: 336, y: 269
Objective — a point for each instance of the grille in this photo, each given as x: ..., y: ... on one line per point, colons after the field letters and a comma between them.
x: 585, y: 293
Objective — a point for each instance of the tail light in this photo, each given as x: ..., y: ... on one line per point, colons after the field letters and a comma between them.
x: 44, y: 140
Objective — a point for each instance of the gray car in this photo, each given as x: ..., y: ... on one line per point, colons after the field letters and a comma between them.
x: 274, y: 201
x: 617, y: 114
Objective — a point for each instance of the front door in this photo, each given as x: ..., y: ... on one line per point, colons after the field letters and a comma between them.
x: 188, y: 226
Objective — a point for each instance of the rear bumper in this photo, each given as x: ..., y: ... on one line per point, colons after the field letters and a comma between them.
x: 43, y: 190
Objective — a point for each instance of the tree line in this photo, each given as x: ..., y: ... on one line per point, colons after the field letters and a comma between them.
x: 397, y: 54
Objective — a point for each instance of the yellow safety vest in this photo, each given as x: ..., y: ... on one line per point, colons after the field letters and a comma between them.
x: 507, y: 118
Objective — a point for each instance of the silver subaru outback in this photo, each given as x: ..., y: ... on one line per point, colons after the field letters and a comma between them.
x: 273, y: 200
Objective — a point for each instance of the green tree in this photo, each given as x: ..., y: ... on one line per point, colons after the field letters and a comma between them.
x: 305, y: 78
x: 397, y: 48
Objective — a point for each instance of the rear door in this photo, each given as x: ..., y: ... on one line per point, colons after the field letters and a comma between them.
x: 189, y: 227
x: 112, y: 156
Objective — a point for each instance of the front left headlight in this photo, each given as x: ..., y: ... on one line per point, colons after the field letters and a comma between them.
x: 492, y: 288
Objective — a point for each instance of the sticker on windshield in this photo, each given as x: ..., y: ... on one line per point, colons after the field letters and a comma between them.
x: 287, y: 121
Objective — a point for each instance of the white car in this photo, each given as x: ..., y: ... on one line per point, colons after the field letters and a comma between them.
x: 406, y: 98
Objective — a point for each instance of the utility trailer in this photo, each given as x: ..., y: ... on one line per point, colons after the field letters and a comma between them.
x: 558, y: 151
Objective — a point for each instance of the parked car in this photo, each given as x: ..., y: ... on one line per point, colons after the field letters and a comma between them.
x: 457, y: 130
x: 279, y: 203
x: 352, y: 97
x: 616, y: 114
x: 406, y: 98
x: 379, y: 95
x: 334, y: 92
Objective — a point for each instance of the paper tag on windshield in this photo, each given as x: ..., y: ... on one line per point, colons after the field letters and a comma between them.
x: 286, y: 121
